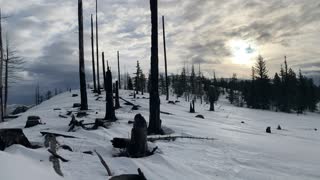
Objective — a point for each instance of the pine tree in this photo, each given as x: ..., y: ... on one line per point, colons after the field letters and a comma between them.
x: 276, y: 91
x: 130, y: 84
x: 301, y: 94
x: 262, y: 84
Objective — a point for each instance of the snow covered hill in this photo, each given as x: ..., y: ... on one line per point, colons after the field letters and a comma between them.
x: 240, y: 151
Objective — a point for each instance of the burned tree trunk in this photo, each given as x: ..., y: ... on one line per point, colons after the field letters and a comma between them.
x: 117, y: 103
x: 93, y: 64
x: 192, y: 109
x: 104, y: 71
x: 9, y: 137
x: 154, y: 117
x: 83, y: 87
x: 6, y: 80
x: 1, y: 68
x: 119, y: 81
x: 97, y: 44
x: 110, y: 114
x: 211, y: 97
x: 165, y: 58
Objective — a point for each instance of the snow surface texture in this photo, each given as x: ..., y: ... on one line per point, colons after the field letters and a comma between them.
x: 240, y: 151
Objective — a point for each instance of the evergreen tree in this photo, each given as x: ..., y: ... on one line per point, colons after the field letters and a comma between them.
x: 301, y: 94
x: 262, y: 85
x: 130, y: 85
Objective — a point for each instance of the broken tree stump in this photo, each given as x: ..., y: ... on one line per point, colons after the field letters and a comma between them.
x: 138, y: 146
x: 9, y: 137
x: 139, y: 176
x: 32, y: 121
x: 52, y: 143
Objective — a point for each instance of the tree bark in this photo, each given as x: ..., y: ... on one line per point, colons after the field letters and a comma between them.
x: 165, y: 58
x: 154, y: 117
x: 1, y: 68
x: 104, y: 71
x: 97, y: 44
x: 93, y: 63
x: 6, y: 80
x: 117, y: 103
x: 110, y: 114
x: 119, y: 75
x: 83, y: 87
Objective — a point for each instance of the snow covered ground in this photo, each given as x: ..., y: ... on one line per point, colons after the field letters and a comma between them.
x: 240, y: 151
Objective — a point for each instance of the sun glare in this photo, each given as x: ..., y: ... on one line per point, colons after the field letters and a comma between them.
x: 242, y: 51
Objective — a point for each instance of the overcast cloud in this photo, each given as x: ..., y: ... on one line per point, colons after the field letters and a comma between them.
x: 198, y: 31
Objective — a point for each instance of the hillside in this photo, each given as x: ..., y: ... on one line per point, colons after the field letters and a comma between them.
x: 239, y: 151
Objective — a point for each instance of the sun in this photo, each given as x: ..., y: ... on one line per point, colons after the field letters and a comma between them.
x: 242, y: 52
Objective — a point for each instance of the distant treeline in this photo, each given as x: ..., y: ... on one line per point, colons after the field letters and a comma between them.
x: 286, y: 91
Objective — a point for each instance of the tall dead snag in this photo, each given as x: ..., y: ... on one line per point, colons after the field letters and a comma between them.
x: 165, y: 58
x: 192, y: 109
x: 104, y: 71
x: 93, y: 64
x: 97, y: 44
x: 118, y: 55
x: 117, y: 103
x: 1, y: 68
x: 212, y: 97
x: 6, y: 79
x: 154, y: 117
x: 83, y: 87
x: 110, y: 114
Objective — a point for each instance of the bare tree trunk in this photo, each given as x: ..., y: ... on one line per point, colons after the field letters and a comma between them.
x: 104, y: 71
x: 165, y: 58
x: 154, y: 117
x: 117, y: 103
x: 119, y: 70
x: 110, y: 114
x: 6, y: 80
x: 83, y: 87
x: 97, y: 44
x: 93, y: 64
x: 1, y: 68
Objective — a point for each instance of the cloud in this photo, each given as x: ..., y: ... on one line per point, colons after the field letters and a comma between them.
x: 45, y: 33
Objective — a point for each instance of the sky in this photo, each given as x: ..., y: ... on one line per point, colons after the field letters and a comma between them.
x: 225, y: 37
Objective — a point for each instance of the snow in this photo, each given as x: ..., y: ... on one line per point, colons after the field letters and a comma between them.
x: 239, y: 151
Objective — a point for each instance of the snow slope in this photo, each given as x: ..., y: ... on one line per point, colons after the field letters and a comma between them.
x: 240, y: 151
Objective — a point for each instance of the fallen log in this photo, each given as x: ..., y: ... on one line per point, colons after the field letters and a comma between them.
x: 56, y: 134
x: 172, y: 138
x: 127, y: 102
x: 52, y: 143
x: 104, y: 163
x: 167, y: 113
x: 57, y: 156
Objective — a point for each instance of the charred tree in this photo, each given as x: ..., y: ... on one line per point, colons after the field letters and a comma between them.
x: 119, y: 76
x: 117, y: 103
x: 165, y: 58
x: 110, y: 114
x: 6, y: 79
x: 83, y: 87
x: 212, y: 97
x: 192, y: 109
x: 154, y: 117
x: 104, y: 71
x: 93, y: 64
x: 138, y: 146
x: 1, y: 68
x: 97, y: 46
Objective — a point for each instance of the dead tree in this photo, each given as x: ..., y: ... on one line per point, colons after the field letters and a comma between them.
x: 192, y: 109
x: 97, y: 44
x: 110, y: 114
x: 1, y: 68
x: 6, y: 79
x: 83, y: 87
x: 93, y: 64
x: 117, y: 103
x: 104, y: 71
x: 138, y: 146
x: 118, y: 55
x: 154, y: 117
x: 212, y: 97
x: 165, y: 58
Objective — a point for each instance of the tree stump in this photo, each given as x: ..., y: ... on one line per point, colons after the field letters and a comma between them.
x: 268, y: 130
x: 138, y: 146
x: 9, y: 137
x: 32, y: 121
